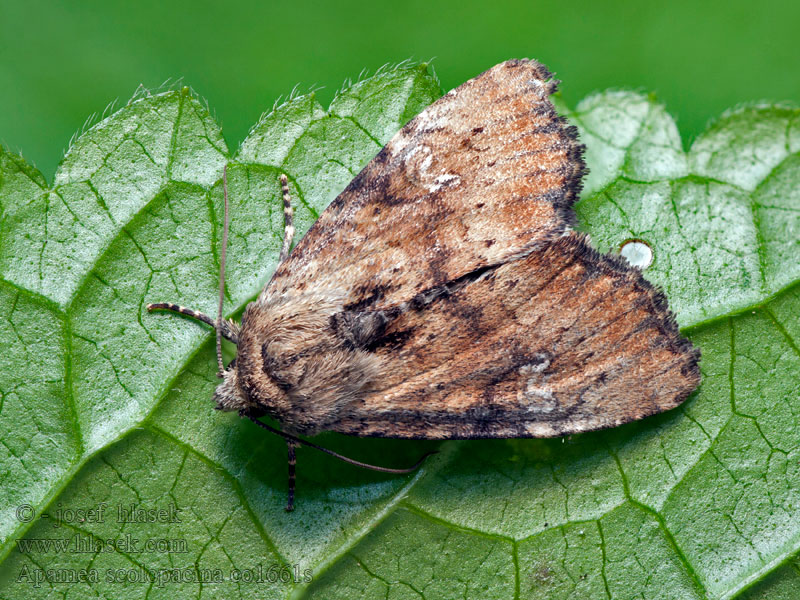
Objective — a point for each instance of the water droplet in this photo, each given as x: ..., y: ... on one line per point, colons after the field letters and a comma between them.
x: 637, y: 253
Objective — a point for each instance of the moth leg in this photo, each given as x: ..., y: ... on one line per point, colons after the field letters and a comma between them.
x: 229, y: 329
x: 288, y: 219
x: 291, y: 445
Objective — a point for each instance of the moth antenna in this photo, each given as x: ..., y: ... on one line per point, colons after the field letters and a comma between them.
x: 230, y: 330
x: 288, y: 219
x: 218, y: 323
x: 297, y: 440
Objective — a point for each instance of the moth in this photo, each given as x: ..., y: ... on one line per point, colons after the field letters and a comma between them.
x: 444, y: 295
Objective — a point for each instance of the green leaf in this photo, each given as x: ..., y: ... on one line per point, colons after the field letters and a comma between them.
x: 780, y: 585
x: 105, y: 405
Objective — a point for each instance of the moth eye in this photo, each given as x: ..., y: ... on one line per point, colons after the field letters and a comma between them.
x: 637, y: 253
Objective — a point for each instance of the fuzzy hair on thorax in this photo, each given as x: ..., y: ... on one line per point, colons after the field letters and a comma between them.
x: 295, y: 366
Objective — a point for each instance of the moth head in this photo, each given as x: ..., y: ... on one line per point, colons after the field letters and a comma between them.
x: 229, y: 396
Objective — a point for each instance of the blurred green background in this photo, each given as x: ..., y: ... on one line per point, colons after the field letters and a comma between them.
x: 62, y: 61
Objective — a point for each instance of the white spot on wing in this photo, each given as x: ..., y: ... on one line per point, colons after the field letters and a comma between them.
x: 399, y: 143
x: 446, y: 179
x: 533, y: 388
x: 432, y: 118
x: 538, y: 367
x: 426, y: 163
x: 543, y: 392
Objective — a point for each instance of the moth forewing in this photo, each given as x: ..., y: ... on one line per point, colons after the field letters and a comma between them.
x: 441, y: 295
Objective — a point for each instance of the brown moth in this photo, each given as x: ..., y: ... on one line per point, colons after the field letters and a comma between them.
x: 443, y: 294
